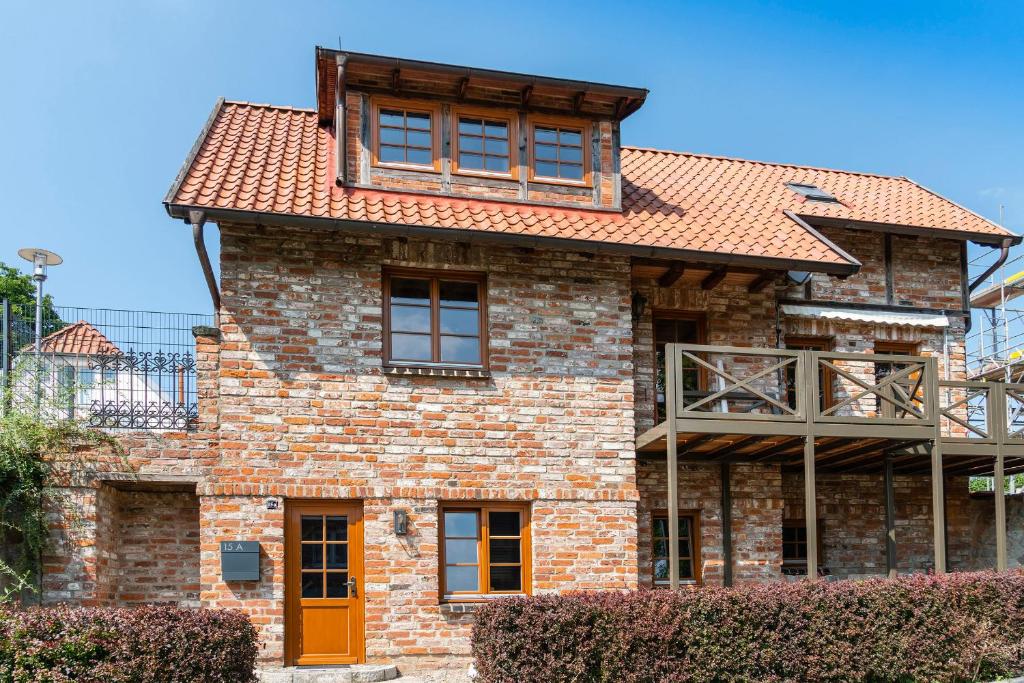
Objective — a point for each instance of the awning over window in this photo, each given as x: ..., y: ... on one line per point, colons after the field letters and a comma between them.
x: 867, y: 316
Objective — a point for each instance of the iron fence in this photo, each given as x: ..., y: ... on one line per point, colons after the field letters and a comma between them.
x: 111, y: 369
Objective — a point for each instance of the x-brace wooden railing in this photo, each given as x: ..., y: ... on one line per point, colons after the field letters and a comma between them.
x: 900, y: 399
x: 736, y: 385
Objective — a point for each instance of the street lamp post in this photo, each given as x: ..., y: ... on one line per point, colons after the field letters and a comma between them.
x: 40, y: 260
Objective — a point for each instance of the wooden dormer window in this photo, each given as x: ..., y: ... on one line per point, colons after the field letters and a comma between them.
x: 405, y: 137
x: 484, y: 144
x: 559, y: 152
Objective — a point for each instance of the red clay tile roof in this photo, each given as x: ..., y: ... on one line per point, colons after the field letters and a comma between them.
x: 80, y: 338
x: 278, y: 160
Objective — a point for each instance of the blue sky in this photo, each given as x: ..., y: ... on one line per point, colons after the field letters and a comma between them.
x: 102, y: 100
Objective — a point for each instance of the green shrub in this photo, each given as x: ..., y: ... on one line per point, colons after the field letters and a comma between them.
x: 959, y: 627
x: 143, y: 645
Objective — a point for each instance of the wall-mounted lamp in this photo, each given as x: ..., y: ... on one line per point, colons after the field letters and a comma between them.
x: 401, y: 522
x: 638, y: 306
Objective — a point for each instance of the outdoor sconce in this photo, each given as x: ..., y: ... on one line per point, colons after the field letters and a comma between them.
x: 401, y: 523
x: 639, y: 304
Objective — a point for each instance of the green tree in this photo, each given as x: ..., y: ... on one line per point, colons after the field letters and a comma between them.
x: 20, y: 290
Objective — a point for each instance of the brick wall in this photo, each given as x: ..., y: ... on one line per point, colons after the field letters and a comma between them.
x: 851, y: 508
x: 306, y: 412
x: 756, y: 517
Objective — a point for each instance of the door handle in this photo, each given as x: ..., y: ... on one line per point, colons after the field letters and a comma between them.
x: 352, y: 592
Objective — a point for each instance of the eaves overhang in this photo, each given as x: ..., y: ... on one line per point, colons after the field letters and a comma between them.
x: 259, y: 218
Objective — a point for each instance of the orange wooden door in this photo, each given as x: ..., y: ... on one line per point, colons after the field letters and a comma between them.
x: 324, y: 583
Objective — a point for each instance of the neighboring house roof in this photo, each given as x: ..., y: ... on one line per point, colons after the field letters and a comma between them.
x: 279, y: 161
x: 80, y: 338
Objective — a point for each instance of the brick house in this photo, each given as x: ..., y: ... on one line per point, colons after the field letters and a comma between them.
x: 468, y: 344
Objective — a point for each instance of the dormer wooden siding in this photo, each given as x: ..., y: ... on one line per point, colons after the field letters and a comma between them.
x: 562, y: 136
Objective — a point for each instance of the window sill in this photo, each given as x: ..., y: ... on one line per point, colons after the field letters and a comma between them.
x: 469, y: 603
x: 436, y: 371
x: 387, y: 166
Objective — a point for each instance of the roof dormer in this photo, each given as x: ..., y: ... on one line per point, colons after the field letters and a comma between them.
x: 427, y: 128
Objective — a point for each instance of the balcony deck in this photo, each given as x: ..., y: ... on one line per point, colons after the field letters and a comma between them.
x: 819, y: 411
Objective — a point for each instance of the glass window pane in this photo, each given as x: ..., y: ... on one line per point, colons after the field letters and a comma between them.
x: 497, y: 164
x: 660, y: 570
x: 392, y: 154
x: 460, y: 321
x: 685, y: 569
x: 546, y: 152
x: 496, y: 129
x: 392, y: 117
x: 312, y: 585
x: 492, y: 146
x: 417, y: 138
x: 460, y: 551
x: 503, y: 523
x: 545, y: 135
x: 462, y: 579
x: 460, y: 523
x: 312, y: 527
x: 337, y: 556
x: 337, y: 584
x: 463, y: 294
x: 684, y: 548
x: 571, y: 172
x: 506, y: 579
x: 460, y: 349
x: 392, y: 136
x: 470, y: 144
x: 570, y: 137
x: 547, y: 169
x: 471, y: 161
x: 660, y: 548
x: 418, y: 120
x: 312, y: 556
x: 684, y: 527
x: 504, y: 550
x: 410, y: 346
x: 420, y: 156
x: 410, y: 319
x: 410, y: 291
x: 571, y: 154
x: 337, y: 528
x: 471, y: 126
x: 661, y: 526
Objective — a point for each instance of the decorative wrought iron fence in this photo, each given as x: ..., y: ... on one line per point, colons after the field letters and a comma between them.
x: 111, y: 369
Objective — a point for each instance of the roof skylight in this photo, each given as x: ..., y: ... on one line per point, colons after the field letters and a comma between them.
x: 812, y: 192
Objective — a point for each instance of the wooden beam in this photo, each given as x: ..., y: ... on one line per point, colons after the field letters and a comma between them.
x: 714, y: 278
x: 396, y: 79
x: 463, y: 84
x: 726, y: 477
x: 760, y: 282
x: 810, y: 509
x: 526, y: 94
x: 938, y: 508
x: 577, y: 101
x: 672, y: 464
x: 890, y: 520
x: 778, y: 448
x: 672, y: 275
x: 703, y: 438
x: 620, y: 107
x: 731, y: 447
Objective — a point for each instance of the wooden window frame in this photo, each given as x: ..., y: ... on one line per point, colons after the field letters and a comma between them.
x: 802, y: 524
x: 559, y: 122
x: 433, y: 110
x: 896, y: 348
x: 818, y: 344
x: 699, y: 317
x: 513, y: 141
x: 696, y: 561
x: 483, y: 549
x: 435, y: 276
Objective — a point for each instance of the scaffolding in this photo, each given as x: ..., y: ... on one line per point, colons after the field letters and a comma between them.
x: 994, y: 348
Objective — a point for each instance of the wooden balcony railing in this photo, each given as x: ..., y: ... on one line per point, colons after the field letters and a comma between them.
x: 856, y: 391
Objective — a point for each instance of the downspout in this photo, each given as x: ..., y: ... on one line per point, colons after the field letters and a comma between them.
x: 198, y: 220
x: 1003, y: 254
